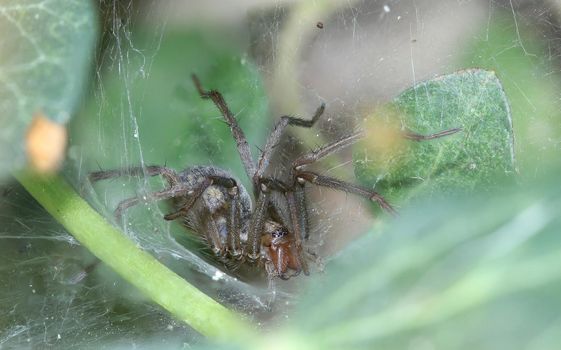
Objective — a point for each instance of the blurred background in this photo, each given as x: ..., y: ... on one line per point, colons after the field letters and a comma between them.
x: 268, y: 58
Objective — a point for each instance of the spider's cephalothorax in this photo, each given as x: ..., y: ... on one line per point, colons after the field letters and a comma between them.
x: 212, y: 203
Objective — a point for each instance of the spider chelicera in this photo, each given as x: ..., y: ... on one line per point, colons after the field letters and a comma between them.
x: 214, y: 204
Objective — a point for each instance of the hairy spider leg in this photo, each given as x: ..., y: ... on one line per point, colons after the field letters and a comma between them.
x: 318, y: 180
x: 237, y: 132
x: 326, y: 150
x: 297, y: 226
x: 152, y: 170
x: 300, y: 223
x: 340, y: 185
x: 173, y: 192
x: 297, y: 204
x: 213, y: 236
x: 418, y: 137
x: 192, y: 195
x: 275, y: 136
x: 332, y: 183
x: 282, y: 188
x: 295, y: 199
x: 233, y: 224
x: 264, y: 160
x: 233, y: 241
x: 257, y: 222
x: 338, y: 145
x: 258, y: 216
x: 196, y: 192
x: 300, y: 197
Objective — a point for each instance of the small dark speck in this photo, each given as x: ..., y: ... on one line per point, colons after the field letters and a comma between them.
x: 319, y: 25
x: 413, y: 40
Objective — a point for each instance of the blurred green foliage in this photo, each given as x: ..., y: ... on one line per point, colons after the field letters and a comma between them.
x: 46, y: 50
x: 522, y: 59
x: 478, y: 273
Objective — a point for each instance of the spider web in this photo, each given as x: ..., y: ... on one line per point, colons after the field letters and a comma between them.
x: 53, y: 293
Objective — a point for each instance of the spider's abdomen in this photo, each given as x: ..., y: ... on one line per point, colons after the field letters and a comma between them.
x: 209, y: 214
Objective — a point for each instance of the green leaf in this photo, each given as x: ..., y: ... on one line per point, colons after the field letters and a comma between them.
x: 46, y: 48
x: 518, y: 53
x: 440, y: 279
x: 480, y: 156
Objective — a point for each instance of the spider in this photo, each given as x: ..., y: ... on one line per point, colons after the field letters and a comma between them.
x: 215, y: 205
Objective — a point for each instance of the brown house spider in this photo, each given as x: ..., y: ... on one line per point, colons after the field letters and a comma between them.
x: 212, y: 203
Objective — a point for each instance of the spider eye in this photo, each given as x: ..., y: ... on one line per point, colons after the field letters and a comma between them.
x: 279, y: 233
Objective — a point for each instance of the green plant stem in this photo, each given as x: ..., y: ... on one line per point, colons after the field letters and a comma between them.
x: 297, y: 33
x: 299, y: 29
x: 163, y: 286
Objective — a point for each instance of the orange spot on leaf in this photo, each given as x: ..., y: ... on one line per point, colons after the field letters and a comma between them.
x: 45, y: 144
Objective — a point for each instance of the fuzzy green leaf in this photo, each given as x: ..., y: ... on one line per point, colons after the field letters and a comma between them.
x: 46, y: 48
x: 440, y: 279
x: 479, y: 156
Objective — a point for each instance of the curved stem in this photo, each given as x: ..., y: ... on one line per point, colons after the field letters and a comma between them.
x: 298, y: 31
x: 111, y: 246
